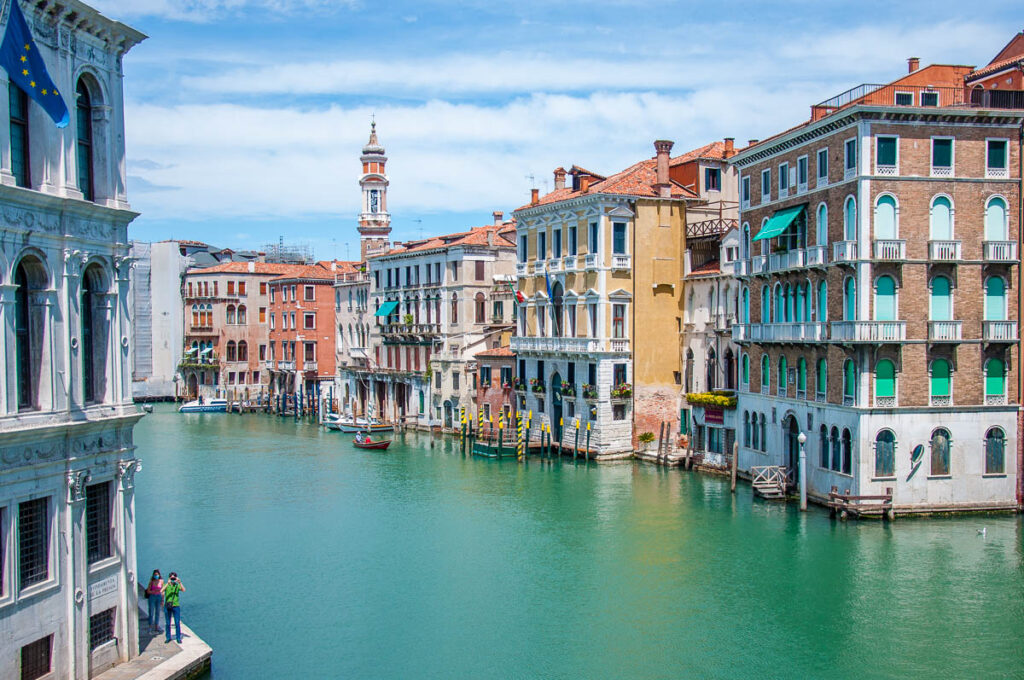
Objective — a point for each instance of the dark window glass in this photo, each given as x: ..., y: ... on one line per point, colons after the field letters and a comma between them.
x: 619, y: 374
x: 712, y: 179
x: 886, y: 151
x: 23, y: 341
x: 83, y: 112
x: 88, y: 358
x: 929, y: 99
x: 97, y: 521
x: 996, y: 154
x: 942, y: 153
x: 19, y: 134
x: 904, y: 99
x: 33, y: 542
x: 573, y: 246
x: 101, y: 627
x: 995, y: 448
x: 619, y: 238
x: 36, y: 658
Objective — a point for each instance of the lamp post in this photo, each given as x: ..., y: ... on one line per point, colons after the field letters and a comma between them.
x: 802, y: 438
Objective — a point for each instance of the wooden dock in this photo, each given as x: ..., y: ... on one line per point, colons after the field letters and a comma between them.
x: 846, y: 505
x: 770, y: 482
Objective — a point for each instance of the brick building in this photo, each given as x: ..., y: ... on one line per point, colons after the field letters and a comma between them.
x: 601, y: 266
x: 495, y: 375
x: 879, y: 246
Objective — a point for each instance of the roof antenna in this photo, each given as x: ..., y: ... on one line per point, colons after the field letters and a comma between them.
x: 419, y: 229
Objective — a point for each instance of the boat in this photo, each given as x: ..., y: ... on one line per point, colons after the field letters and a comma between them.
x: 206, y: 406
x: 379, y: 445
x: 347, y: 424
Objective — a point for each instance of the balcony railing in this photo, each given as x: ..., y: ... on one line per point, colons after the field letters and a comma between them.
x: 997, y: 173
x: 849, y: 400
x: 741, y: 268
x: 820, y: 397
x: 869, y: 331
x: 995, y: 400
x: 569, y: 263
x: 783, y: 390
x: 886, y: 170
x: 940, y: 400
x: 817, y: 256
x: 758, y: 264
x: 801, y: 394
x: 844, y: 251
x: 791, y: 259
x: 619, y: 345
x: 538, y: 267
x: 620, y: 261
x: 942, y: 171
x: 286, y: 365
x: 590, y: 261
x: 946, y: 251
x: 554, y: 264
x: 890, y: 249
x: 779, y: 332
x: 945, y: 331
x: 520, y: 269
x: 764, y: 388
x: 309, y: 366
x: 1000, y: 251
x: 999, y: 331
x: 885, y: 402
x: 562, y: 345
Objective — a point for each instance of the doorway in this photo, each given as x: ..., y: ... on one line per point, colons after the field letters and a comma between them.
x: 556, y: 408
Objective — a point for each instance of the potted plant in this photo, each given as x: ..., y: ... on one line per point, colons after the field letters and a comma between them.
x: 623, y: 391
x: 536, y: 385
x: 589, y: 391
x: 517, y: 384
x: 645, y: 440
x: 408, y: 318
x: 568, y: 389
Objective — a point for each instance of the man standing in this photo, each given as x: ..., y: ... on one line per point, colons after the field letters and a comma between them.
x: 172, y: 593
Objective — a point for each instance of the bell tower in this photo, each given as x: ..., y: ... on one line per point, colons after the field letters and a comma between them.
x: 374, y: 220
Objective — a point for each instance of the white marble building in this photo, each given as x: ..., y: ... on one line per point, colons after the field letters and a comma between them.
x: 68, y: 595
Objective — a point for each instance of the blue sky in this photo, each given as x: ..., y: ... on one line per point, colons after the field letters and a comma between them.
x: 245, y: 118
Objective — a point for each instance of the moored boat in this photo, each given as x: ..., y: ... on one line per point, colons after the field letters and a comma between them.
x: 207, y: 406
x: 351, y: 426
x: 379, y: 445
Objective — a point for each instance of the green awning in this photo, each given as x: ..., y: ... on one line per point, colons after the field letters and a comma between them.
x: 387, y: 309
x: 779, y: 222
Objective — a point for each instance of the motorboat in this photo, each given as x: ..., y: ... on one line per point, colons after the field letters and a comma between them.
x: 367, y: 444
x: 204, y: 406
x: 352, y: 425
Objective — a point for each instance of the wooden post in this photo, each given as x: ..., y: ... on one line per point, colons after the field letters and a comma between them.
x: 732, y: 474
x: 576, y: 442
x: 588, y: 440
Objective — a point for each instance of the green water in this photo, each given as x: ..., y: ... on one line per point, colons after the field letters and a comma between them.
x: 307, y: 558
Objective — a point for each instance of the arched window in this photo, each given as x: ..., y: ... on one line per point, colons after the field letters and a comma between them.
x: 480, y: 307
x: 765, y: 374
x: 746, y: 306
x: 730, y: 369
x: 822, y: 226
x: 801, y: 377
x: 230, y: 352
x: 995, y: 452
x: 780, y: 304
x: 712, y: 370
x: 29, y: 277
x: 995, y: 299
x: 755, y: 439
x: 766, y: 310
x: 241, y: 314
x: 995, y: 219
x: 195, y: 315
x: 849, y: 381
x: 689, y: 370
x: 746, y: 370
x: 20, y: 165
x: 801, y: 301
x: 822, y: 302
x: 92, y: 346
x: 782, y: 383
x: 746, y: 242
x: 229, y: 314
x: 885, y: 298
x: 941, y: 443
x: 885, y: 383
x: 836, y: 453
x: 822, y: 378
x: 746, y: 429
x: 83, y: 120
x: 850, y: 220
x: 823, y: 448
x: 885, y: 454
x: 939, y: 385
x: 455, y: 308
x: 789, y: 303
x: 847, y: 452
x: 941, y: 303
x: 941, y: 220
x: 850, y: 300
x: 885, y: 218
x: 764, y: 435
x: 243, y: 350
x: 995, y: 378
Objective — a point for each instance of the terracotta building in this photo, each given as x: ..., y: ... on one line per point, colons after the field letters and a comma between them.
x: 879, y: 248
x: 495, y: 397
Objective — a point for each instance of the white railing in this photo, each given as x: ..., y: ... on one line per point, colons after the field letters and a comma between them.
x: 937, y: 400
x: 821, y: 182
x: 619, y: 345
x: 944, y: 250
x: 1000, y: 251
x: 849, y: 400
x: 849, y: 173
x: 286, y: 365
x: 520, y: 269
x: 844, y: 251
x: 758, y: 264
x: 885, y: 170
x: 783, y: 193
x: 554, y: 264
x: 820, y: 397
x: 741, y: 268
x: 999, y: 331
x: 885, y: 402
x: 741, y: 332
x: 744, y: 387
x: 945, y: 331
x: 995, y: 400
x: 764, y: 388
x: 869, y: 331
x: 817, y: 256
x: 997, y: 173
x: 801, y: 394
x: 538, y: 267
x: 780, y: 332
x: 890, y: 249
x: 942, y: 171
x: 801, y: 188
x: 791, y: 259
x: 590, y: 261
x: 309, y: 366
x: 569, y: 263
x: 620, y: 261
x: 783, y: 390
x: 563, y: 345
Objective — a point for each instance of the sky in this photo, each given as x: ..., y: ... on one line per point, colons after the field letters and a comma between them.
x: 245, y: 118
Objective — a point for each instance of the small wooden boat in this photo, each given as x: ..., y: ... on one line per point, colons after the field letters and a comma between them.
x: 381, y: 445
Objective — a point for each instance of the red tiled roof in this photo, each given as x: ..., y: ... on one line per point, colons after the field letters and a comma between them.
x: 276, y: 268
x: 497, y: 352
x: 708, y: 269
x: 476, y: 236
x: 994, y: 67
x: 306, y: 271
x: 636, y: 180
x: 715, y: 150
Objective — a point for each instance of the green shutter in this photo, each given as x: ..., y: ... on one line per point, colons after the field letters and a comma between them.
x: 885, y: 218
x: 886, y: 151
x: 746, y: 369
x: 849, y: 378
x: 885, y: 379
x: 995, y: 220
x: 940, y: 378
x: 995, y: 377
x: 765, y: 370
x: 942, y: 153
x: 941, y: 310
x: 885, y: 299
x: 822, y: 375
x: 995, y: 299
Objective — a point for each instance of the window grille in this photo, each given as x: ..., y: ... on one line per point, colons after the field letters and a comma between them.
x: 35, y: 658
x: 97, y: 519
x: 101, y: 628
x: 33, y: 542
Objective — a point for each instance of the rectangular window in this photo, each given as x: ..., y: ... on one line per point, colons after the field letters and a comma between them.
x: 97, y: 521
x: 619, y: 374
x: 263, y: 287
x: 783, y: 178
x: 310, y: 293
x: 996, y: 158
x: 241, y: 288
x: 437, y: 272
x: 929, y: 99
x: 479, y: 270
x: 801, y: 172
x: 592, y: 375
x: 712, y: 179
x: 506, y: 375
x: 255, y: 377
x: 309, y: 322
x: 850, y: 155
x: 522, y: 250
x: 573, y: 246
x: 18, y: 108
x: 487, y: 412
x: 822, y: 164
x: 592, y: 245
x: 618, y: 411
x: 272, y: 327
x: 33, y: 542
x: 36, y: 658
x: 904, y: 99
x: 619, y: 238
x: 745, y: 188
x: 592, y: 317
x: 101, y: 627
x: 556, y: 242
x: 942, y: 156
x: 437, y: 380
x: 231, y: 287
x: 309, y: 351
x: 455, y: 380
x: 272, y: 294
x: 485, y: 376
x: 885, y: 152
x: 766, y: 185
x: 263, y: 352
x: 499, y: 310
x: 542, y: 245
x: 263, y: 314
x: 618, y: 321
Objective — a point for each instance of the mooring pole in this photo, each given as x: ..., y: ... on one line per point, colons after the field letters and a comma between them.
x: 576, y: 441
x: 735, y: 455
x: 588, y: 440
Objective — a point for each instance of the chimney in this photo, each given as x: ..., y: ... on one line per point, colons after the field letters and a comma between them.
x: 584, y: 183
x: 663, y: 147
x: 498, y: 217
x: 913, y: 64
x: 730, y: 147
x: 559, y: 178
x: 752, y: 142
x: 534, y: 196
x: 252, y: 267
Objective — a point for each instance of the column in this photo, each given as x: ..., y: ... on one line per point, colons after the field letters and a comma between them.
x: 6, y: 177
x: 73, y: 261
x: 124, y: 511
x: 76, y: 573
x: 8, y: 356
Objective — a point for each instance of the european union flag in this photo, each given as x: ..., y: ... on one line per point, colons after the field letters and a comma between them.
x: 24, y: 65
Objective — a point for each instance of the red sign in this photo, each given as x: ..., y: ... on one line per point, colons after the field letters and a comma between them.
x: 714, y: 415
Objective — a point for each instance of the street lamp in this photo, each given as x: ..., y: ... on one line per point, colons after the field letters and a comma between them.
x: 802, y: 438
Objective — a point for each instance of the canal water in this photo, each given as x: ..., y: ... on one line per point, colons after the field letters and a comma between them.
x: 307, y: 558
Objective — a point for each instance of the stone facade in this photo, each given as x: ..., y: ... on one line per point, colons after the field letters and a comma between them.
x: 67, y: 461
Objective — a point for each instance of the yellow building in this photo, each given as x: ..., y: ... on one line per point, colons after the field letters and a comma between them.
x: 601, y: 269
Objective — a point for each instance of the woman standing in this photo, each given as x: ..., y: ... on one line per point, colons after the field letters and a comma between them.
x: 172, y: 605
x: 155, y: 597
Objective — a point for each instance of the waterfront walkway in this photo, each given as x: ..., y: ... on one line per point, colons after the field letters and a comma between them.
x: 159, y: 660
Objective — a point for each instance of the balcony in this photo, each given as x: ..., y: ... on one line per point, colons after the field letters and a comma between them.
x: 945, y: 331
x: 817, y: 256
x: 940, y: 400
x: 590, y: 261
x: 995, y: 400
x: 942, y: 171
x: 741, y: 268
x: 554, y: 264
x: 844, y: 251
x: 999, y: 331
x: 619, y: 345
x: 286, y: 365
x: 890, y: 249
x: 620, y: 262
x: 885, y: 402
x: 869, y: 331
x: 944, y: 251
x: 520, y: 269
x: 758, y: 264
x: 820, y: 397
x: 1000, y: 251
x: 764, y: 388
x: 569, y: 263
x: 886, y: 170
x: 783, y: 390
x: 309, y: 366
x: 558, y: 345
x: 538, y: 267
x: 779, y: 332
x: 997, y: 173
x: 849, y: 400
x: 791, y: 259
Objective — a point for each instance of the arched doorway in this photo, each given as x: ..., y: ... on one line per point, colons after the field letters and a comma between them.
x: 448, y: 415
x: 556, y: 408
x: 730, y: 370
x: 792, y: 430
x: 192, y: 388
